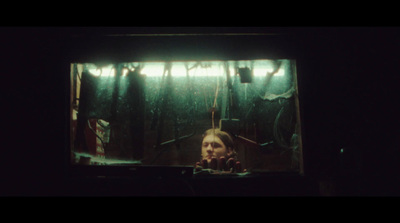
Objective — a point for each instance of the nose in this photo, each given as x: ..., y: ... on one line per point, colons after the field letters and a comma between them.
x: 210, y: 148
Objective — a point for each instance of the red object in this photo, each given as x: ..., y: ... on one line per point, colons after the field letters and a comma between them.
x: 213, y: 163
x: 91, y: 137
x: 99, y: 145
x: 222, y: 163
x: 231, y: 163
x: 204, y: 163
x: 94, y: 144
x: 238, y: 167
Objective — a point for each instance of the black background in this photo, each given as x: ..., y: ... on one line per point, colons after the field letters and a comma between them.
x: 348, y: 79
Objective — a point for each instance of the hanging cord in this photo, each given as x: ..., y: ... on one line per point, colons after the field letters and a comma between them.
x: 270, y: 96
x: 159, y: 100
x: 177, y: 139
x: 94, y: 132
x: 213, y: 112
x: 190, y: 101
x: 214, y: 106
x: 76, y: 99
x: 166, y: 88
x: 106, y: 127
x: 229, y: 86
x: 278, y: 136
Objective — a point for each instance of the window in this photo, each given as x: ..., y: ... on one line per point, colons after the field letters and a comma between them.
x: 155, y: 112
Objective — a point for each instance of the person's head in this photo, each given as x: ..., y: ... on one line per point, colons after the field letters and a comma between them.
x: 217, y: 143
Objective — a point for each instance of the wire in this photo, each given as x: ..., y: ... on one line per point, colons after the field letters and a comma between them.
x: 277, y: 136
x: 216, y: 94
x: 90, y: 127
x: 102, y: 125
x: 212, y: 118
x: 271, y: 97
x: 213, y: 108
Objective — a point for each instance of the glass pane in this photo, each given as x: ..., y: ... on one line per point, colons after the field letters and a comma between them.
x: 157, y: 113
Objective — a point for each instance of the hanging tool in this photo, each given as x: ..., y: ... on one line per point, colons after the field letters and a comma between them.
x: 232, y: 125
x: 160, y: 98
x: 165, y: 91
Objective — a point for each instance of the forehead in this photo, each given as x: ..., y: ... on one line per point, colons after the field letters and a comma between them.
x: 212, y: 138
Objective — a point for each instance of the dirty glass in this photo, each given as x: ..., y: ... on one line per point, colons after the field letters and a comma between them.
x: 155, y: 113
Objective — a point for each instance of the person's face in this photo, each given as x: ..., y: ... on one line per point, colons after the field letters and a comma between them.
x: 213, y: 147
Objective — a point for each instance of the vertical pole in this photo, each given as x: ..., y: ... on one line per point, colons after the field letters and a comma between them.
x: 136, y: 100
x: 114, y: 103
x: 164, y: 103
x: 83, y: 113
x: 72, y: 87
x: 298, y: 124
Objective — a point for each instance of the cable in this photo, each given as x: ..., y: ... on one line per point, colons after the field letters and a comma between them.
x: 213, y: 108
x: 90, y: 127
x: 277, y: 136
x: 102, y: 125
x: 271, y: 97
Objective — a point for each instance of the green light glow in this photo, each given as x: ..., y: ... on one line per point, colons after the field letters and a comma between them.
x: 214, y: 68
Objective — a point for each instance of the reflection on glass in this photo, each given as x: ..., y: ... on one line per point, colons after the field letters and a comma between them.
x: 155, y: 113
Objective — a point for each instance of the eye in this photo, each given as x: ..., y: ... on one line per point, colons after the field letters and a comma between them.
x: 216, y: 145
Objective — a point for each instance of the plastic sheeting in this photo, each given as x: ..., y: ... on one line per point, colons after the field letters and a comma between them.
x: 177, y: 100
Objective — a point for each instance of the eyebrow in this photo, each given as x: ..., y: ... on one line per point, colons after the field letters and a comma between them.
x: 215, y: 143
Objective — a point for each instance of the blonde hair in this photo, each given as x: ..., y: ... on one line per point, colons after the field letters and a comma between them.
x: 225, y: 137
